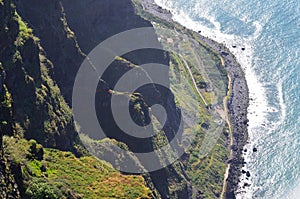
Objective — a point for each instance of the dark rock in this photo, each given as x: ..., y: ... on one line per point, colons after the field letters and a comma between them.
x: 43, y: 168
x: 254, y: 149
x: 226, y: 133
x: 202, y: 85
x: 248, y: 174
x: 234, y: 148
x: 243, y: 49
x: 205, y: 126
x: 225, y: 53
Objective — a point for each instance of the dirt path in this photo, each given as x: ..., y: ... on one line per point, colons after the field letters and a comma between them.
x: 230, y: 135
x: 193, y: 79
x: 201, y: 67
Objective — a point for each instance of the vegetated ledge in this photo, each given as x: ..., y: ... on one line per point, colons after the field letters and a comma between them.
x: 239, y: 97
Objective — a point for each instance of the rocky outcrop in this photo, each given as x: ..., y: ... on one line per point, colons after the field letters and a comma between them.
x: 38, y: 110
x: 68, y: 30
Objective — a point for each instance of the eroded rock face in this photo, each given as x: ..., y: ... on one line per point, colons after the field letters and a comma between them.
x: 37, y: 108
x: 71, y: 29
x: 68, y: 30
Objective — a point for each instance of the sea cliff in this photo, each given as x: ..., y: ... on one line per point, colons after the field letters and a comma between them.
x: 42, y: 47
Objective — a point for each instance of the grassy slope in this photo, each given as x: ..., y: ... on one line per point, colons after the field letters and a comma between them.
x: 205, y: 171
x: 64, y: 174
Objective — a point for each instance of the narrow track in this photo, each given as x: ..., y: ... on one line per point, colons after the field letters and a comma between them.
x: 193, y: 79
x: 230, y: 135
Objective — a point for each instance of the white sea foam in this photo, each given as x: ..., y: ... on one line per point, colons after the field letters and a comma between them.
x: 281, y: 100
x: 294, y: 193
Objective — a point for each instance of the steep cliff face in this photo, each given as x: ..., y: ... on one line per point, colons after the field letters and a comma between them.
x: 70, y: 29
x: 39, y: 110
x: 31, y: 103
x: 32, y: 107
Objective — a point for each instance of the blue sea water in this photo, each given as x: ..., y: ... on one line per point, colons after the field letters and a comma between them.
x: 270, y: 32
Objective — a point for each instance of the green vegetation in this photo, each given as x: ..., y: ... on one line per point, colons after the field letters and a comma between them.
x: 5, y: 110
x: 24, y: 31
x: 42, y: 111
x: 39, y: 188
x: 205, y: 65
x: 42, y: 115
x: 60, y: 174
x: 207, y: 172
x: 6, y: 100
x: 206, y: 169
x: 23, y: 27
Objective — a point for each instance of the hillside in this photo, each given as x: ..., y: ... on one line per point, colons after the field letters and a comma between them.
x: 43, y: 45
x: 32, y: 107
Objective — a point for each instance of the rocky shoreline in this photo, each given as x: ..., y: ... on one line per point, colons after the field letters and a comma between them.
x: 237, y: 104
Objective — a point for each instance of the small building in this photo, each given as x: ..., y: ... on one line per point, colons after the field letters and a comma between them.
x: 170, y: 40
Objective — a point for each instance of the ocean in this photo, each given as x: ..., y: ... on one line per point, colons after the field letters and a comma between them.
x: 270, y: 33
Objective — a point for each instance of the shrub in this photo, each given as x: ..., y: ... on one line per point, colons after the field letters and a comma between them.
x: 38, y: 189
x: 36, y: 150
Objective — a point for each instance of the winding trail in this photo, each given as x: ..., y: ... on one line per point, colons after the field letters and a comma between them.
x: 227, y: 117
x: 193, y: 79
